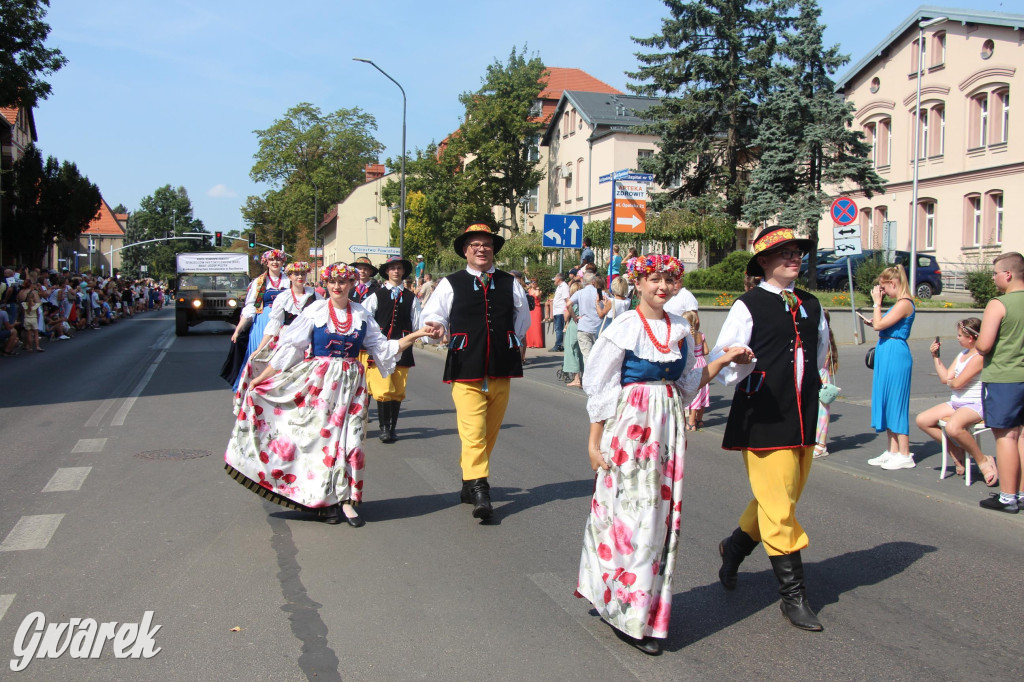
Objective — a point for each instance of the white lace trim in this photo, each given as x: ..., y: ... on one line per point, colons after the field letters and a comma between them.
x: 627, y: 332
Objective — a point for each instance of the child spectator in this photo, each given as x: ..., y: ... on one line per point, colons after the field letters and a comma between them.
x: 963, y: 410
x: 701, y: 401
x: 31, y: 306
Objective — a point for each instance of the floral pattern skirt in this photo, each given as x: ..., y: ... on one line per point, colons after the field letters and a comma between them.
x: 298, y: 436
x: 632, y: 534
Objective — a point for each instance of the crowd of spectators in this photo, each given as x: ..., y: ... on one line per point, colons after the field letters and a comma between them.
x: 46, y: 305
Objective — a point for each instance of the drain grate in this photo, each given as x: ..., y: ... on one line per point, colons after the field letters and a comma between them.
x: 173, y: 454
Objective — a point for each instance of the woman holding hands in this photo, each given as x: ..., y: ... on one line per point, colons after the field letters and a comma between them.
x: 890, y: 386
x: 298, y: 433
x: 640, y: 378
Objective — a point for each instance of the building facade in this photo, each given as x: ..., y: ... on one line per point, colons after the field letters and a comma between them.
x: 970, y: 139
x: 359, y: 220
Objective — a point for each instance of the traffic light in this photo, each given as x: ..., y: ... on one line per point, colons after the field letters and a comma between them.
x: 218, y: 238
x: 252, y: 240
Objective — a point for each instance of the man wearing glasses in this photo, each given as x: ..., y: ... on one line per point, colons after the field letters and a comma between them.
x: 774, y: 413
x: 485, y: 314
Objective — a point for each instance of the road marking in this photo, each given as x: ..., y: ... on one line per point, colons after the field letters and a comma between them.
x: 67, y: 478
x: 5, y: 603
x: 428, y: 471
x: 165, y: 340
x: 31, y: 532
x: 101, y: 412
x: 89, y: 445
x: 122, y: 414
x: 560, y: 592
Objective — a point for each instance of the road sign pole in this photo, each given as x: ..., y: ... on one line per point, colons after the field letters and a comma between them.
x: 611, y: 224
x: 858, y: 337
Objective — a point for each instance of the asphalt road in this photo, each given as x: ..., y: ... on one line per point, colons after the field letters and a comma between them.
x: 114, y: 502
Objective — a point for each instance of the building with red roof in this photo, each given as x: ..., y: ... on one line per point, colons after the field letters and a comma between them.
x: 94, y: 245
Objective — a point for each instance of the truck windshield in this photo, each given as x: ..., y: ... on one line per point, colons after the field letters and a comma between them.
x: 226, y: 282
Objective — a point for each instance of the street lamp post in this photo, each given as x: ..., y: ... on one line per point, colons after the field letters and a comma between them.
x: 401, y: 216
x: 316, y: 228
x: 912, y: 265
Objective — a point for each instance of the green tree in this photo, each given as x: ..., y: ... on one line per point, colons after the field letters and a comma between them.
x: 54, y: 202
x: 498, y: 136
x: 805, y: 135
x: 452, y: 200
x: 24, y: 59
x: 316, y: 160
x: 166, y: 211
x: 710, y: 68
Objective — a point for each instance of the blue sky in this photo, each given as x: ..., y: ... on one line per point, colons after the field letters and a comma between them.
x: 169, y: 92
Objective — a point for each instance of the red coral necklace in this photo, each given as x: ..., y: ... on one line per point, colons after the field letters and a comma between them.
x: 340, y: 328
x: 273, y: 284
x: 662, y: 347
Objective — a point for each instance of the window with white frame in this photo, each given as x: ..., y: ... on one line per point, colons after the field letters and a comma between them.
x: 994, y: 217
x: 871, y: 136
x: 975, y: 218
x: 885, y: 142
x: 923, y: 134
x: 567, y: 174
x: 939, y: 117
x: 979, y: 121
x: 579, y: 185
x: 917, y: 55
x: 537, y: 108
x: 929, y: 225
x: 1003, y: 98
x: 533, y: 200
x: 938, y: 49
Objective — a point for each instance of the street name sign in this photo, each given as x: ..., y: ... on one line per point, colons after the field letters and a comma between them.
x: 630, y: 207
x: 563, y: 231
x: 375, y: 250
x: 626, y: 175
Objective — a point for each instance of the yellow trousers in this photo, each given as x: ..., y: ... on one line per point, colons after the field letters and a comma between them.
x: 777, y: 478
x: 479, y: 415
x: 391, y: 387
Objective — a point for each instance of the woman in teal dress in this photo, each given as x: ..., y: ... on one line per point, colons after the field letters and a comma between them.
x: 890, y: 386
x: 572, y: 359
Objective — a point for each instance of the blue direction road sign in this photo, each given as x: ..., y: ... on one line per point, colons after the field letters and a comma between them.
x: 563, y: 231
x: 626, y: 175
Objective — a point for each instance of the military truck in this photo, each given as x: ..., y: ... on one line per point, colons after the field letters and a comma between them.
x: 210, y: 286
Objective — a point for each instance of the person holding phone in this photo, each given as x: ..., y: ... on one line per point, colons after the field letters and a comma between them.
x: 890, y: 386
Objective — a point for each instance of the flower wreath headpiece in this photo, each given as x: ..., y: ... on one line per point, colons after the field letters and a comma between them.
x: 641, y: 266
x: 273, y: 254
x: 296, y: 267
x: 338, y: 271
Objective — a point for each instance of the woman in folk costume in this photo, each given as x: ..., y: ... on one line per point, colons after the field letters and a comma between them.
x: 256, y: 311
x: 298, y: 432
x: 640, y: 378
x: 393, y: 308
x: 285, y: 309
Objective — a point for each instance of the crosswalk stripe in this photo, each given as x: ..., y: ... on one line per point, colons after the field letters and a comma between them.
x: 67, y: 478
x: 31, y: 532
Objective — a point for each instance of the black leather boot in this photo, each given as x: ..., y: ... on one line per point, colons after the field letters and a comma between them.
x: 789, y: 569
x: 478, y: 493
x: 382, y: 420
x: 395, y: 407
x: 733, y: 550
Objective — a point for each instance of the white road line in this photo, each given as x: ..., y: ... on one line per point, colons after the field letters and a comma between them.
x: 101, y: 412
x: 31, y: 532
x: 428, y: 471
x: 67, y: 478
x: 165, y: 340
x: 89, y: 445
x: 561, y: 592
x: 122, y: 414
x: 5, y: 603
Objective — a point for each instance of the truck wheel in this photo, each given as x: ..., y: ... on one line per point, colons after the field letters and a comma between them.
x: 924, y: 290
x: 180, y: 323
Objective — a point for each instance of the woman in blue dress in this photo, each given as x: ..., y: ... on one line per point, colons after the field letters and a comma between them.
x: 890, y: 387
x: 259, y: 300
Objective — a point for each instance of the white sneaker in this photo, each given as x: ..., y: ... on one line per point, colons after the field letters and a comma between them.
x: 898, y: 461
x: 63, y: 337
x: 880, y: 460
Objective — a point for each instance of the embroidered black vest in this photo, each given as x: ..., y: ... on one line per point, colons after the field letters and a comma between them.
x: 395, y: 319
x: 768, y: 412
x: 482, y: 329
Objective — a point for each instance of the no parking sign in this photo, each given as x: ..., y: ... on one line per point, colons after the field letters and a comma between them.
x: 843, y: 211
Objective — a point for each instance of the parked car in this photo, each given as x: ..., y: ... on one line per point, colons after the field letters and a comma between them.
x: 929, y: 277
x: 825, y: 256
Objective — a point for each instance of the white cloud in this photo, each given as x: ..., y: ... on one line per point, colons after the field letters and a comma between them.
x: 221, y: 191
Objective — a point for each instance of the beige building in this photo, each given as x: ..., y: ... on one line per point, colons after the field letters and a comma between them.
x: 359, y: 220
x: 93, y: 250
x: 971, y: 140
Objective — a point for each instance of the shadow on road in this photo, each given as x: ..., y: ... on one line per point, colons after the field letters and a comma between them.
x: 708, y: 609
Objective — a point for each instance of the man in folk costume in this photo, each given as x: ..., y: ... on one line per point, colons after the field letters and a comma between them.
x: 774, y: 413
x: 366, y: 284
x: 392, y: 307
x: 484, y: 312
